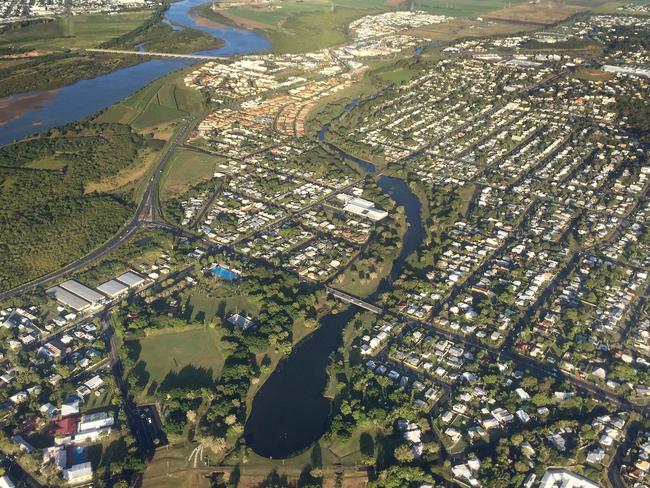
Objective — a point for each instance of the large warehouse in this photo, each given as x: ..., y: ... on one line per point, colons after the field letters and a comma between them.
x: 93, y: 297
x: 68, y: 299
x: 113, y: 288
x: 131, y: 279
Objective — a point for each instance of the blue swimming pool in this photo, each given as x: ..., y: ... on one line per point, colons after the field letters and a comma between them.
x: 224, y: 273
x: 77, y: 455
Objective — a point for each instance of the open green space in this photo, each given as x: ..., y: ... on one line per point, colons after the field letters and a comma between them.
x: 160, y: 102
x: 185, y: 169
x: 460, y: 8
x: 216, y: 306
x: 618, y: 7
x: 294, y: 27
x: 171, y: 358
x: 79, y: 31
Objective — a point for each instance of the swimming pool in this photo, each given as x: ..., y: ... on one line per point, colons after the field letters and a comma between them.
x: 225, y: 273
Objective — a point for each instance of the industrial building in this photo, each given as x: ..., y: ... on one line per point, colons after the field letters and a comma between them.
x: 93, y: 297
x: 131, y: 279
x: 113, y: 288
x: 68, y: 299
x: 362, y: 207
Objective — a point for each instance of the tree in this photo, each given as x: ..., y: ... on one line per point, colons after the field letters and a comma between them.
x: 404, y: 454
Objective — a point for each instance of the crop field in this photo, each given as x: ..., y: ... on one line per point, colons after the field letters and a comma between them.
x: 79, y: 31
x: 172, y: 358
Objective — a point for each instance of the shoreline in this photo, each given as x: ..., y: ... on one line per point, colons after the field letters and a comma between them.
x: 14, y: 106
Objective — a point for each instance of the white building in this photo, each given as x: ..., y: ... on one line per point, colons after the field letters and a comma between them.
x: 95, y: 421
x: 565, y: 479
x: 78, y: 473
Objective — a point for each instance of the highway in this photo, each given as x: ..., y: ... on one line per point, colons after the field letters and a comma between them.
x: 147, y: 214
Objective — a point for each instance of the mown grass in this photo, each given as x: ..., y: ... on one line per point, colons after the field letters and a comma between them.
x: 171, y: 358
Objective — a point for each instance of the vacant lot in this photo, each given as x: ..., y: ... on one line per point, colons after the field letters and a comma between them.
x: 187, y: 168
x: 171, y: 359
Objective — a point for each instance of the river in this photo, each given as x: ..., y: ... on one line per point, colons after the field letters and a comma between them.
x: 289, y: 412
x: 85, y: 97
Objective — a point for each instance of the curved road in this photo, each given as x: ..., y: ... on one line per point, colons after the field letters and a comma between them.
x: 146, y: 214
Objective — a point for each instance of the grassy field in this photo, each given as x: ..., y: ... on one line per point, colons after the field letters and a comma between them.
x: 157, y: 108
x: 460, y: 8
x: 615, y: 7
x: 399, y: 75
x: 172, y: 358
x: 211, y: 308
x: 187, y: 168
x: 79, y: 31
x: 160, y: 102
x: 296, y: 26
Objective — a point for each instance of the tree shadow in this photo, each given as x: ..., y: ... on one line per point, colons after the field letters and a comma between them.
x: 275, y: 480
x: 307, y: 480
x: 188, y: 377
x: 153, y: 388
x: 317, y: 457
x: 366, y: 444
x: 141, y: 374
x: 133, y: 349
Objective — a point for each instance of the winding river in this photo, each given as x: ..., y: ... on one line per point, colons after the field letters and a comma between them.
x: 85, y: 97
x: 289, y: 413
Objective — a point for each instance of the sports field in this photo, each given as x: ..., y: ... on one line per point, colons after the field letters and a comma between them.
x: 171, y: 358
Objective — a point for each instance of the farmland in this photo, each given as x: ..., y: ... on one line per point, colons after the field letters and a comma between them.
x: 80, y: 31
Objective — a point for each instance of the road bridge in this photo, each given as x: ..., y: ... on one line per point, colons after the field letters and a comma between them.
x: 195, y: 57
x: 354, y: 300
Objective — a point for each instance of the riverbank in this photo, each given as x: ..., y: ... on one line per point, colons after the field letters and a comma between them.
x: 294, y: 394
x: 85, y: 97
x: 297, y: 28
x: 14, y: 106
x: 59, y: 67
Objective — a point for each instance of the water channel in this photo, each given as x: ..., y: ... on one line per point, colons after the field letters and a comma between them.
x: 289, y: 412
x: 83, y: 98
